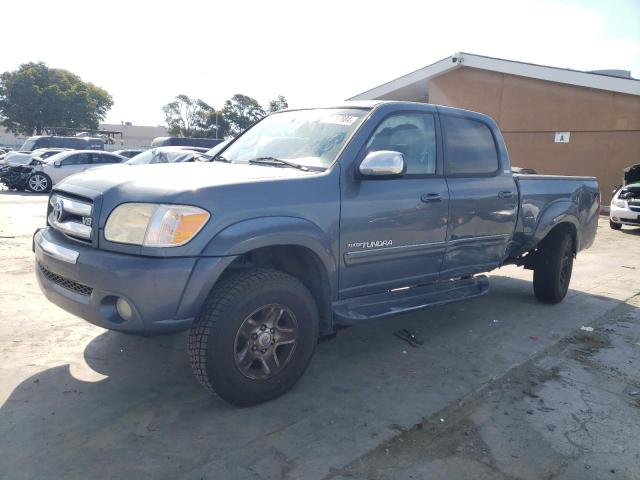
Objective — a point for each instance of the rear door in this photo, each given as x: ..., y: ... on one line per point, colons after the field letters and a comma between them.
x: 483, y: 196
x: 393, y: 230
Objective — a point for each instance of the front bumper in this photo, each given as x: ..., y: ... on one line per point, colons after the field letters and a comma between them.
x: 165, y: 294
x: 624, y: 215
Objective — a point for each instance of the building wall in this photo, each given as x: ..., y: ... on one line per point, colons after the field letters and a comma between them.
x: 604, y: 126
x: 134, y: 135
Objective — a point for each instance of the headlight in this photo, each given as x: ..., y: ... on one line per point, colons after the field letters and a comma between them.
x: 154, y: 225
x: 616, y: 202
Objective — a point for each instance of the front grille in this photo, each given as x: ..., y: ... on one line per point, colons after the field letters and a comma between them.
x: 634, y: 209
x: 71, y: 216
x: 65, y: 282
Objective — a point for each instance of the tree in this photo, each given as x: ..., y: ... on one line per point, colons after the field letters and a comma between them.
x: 219, y: 124
x: 189, y: 117
x: 35, y: 96
x: 241, y: 112
x: 278, y: 104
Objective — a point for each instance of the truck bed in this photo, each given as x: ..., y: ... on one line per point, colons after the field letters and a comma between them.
x: 545, y: 197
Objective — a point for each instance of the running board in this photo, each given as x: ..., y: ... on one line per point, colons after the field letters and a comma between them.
x: 380, y: 305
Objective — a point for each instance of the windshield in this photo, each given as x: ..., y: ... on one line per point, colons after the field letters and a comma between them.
x: 307, y: 137
x: 156, y: 155
x: 28, y: 145
x: 215, y: 150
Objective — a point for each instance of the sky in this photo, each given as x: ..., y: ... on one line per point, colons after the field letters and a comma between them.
x: 312, y: 52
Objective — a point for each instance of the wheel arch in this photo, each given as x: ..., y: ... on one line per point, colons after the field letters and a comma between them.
x: 293, y: 245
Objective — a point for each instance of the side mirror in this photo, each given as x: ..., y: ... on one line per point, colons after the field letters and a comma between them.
x: 57, y: 163
x: 383, y: 163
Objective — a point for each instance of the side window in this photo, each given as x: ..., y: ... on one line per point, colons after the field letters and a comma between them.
x: 78, y: 159
x: 413, y: 135
x: 469, y: 146
x: 98, y: 158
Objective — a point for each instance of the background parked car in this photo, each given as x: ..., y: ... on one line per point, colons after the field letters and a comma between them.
x: 74, y: 143
x: 130, y: 152
x: 39, y: 154
x: 167, y: 155
x: 185, y: 142
x: 40, y: 178
x: 625, y: 204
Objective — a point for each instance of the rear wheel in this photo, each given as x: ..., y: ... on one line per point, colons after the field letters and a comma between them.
x: 254, y: 337
x: 553, y: 267
x: 614, y: 225
x: 39, y: 183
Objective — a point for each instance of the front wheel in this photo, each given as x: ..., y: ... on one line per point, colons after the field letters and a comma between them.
x: 553, y: 267
x: 39, y: 183
x: 614, y: 225
x: 255, y: 336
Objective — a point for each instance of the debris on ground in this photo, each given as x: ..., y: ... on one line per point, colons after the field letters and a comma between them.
x: 410, y: 337
x: 586, y: 329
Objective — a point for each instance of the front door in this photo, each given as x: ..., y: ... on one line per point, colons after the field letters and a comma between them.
x: 393, y: 231
x: 483, y: 198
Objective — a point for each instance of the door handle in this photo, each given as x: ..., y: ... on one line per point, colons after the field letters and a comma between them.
x: 430, y: 197
x: 505, y: 194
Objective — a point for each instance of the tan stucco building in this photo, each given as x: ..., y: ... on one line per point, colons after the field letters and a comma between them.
x: 554, y: 120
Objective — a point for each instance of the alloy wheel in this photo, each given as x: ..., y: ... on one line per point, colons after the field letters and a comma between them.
x: 265, y: 341
x: 38, y: 183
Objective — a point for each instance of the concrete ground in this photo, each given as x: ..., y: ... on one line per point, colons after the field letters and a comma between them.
x: 504, y: 387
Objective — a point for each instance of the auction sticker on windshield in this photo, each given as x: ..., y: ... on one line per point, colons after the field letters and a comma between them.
x: 340, y: 119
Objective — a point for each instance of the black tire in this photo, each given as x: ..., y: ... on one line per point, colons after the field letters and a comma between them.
x: 553, y: 267
x: 214, y: 336
x: 614, y: 225
x: 39, y: 182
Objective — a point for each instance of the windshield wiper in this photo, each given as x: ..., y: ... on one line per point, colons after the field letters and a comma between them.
x: 277, y: 161
x: 221, y: 159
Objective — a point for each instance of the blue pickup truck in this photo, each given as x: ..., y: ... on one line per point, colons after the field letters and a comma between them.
x: 309, y: 220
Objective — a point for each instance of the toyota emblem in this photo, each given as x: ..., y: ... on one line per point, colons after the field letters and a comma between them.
x: 58, y: 211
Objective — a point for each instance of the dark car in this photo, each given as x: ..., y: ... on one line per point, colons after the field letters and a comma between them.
x: 73, y: 143
x: 185, y: 142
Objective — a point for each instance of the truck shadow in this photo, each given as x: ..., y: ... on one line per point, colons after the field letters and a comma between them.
x: 21, y: 193
x: 630, y: 231
x: 133, y: 409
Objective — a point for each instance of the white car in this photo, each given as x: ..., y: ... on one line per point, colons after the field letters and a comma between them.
x: 61, y: 165
x: 625, y: 207
x: 167, y: 155
x: 25, y: 158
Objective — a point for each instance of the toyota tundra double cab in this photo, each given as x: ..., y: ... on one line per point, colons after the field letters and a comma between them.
x: 309, y: 220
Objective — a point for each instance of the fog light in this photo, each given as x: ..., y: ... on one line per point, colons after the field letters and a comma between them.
x: 124, y: 309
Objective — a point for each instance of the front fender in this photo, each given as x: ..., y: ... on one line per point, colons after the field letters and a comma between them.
x: 247, y: 235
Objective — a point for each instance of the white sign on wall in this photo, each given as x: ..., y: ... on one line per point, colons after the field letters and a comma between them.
x: 563, y: 137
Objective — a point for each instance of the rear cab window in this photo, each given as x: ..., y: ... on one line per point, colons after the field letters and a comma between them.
x: 470, y: 148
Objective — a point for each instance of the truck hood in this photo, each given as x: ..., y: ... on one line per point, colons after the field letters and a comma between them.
x: 170, y: 179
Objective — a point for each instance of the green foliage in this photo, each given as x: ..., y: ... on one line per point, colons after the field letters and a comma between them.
x: 241, y: 112
x: 278, y: 104
x: 36, y: 96
x: 191, y: 117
